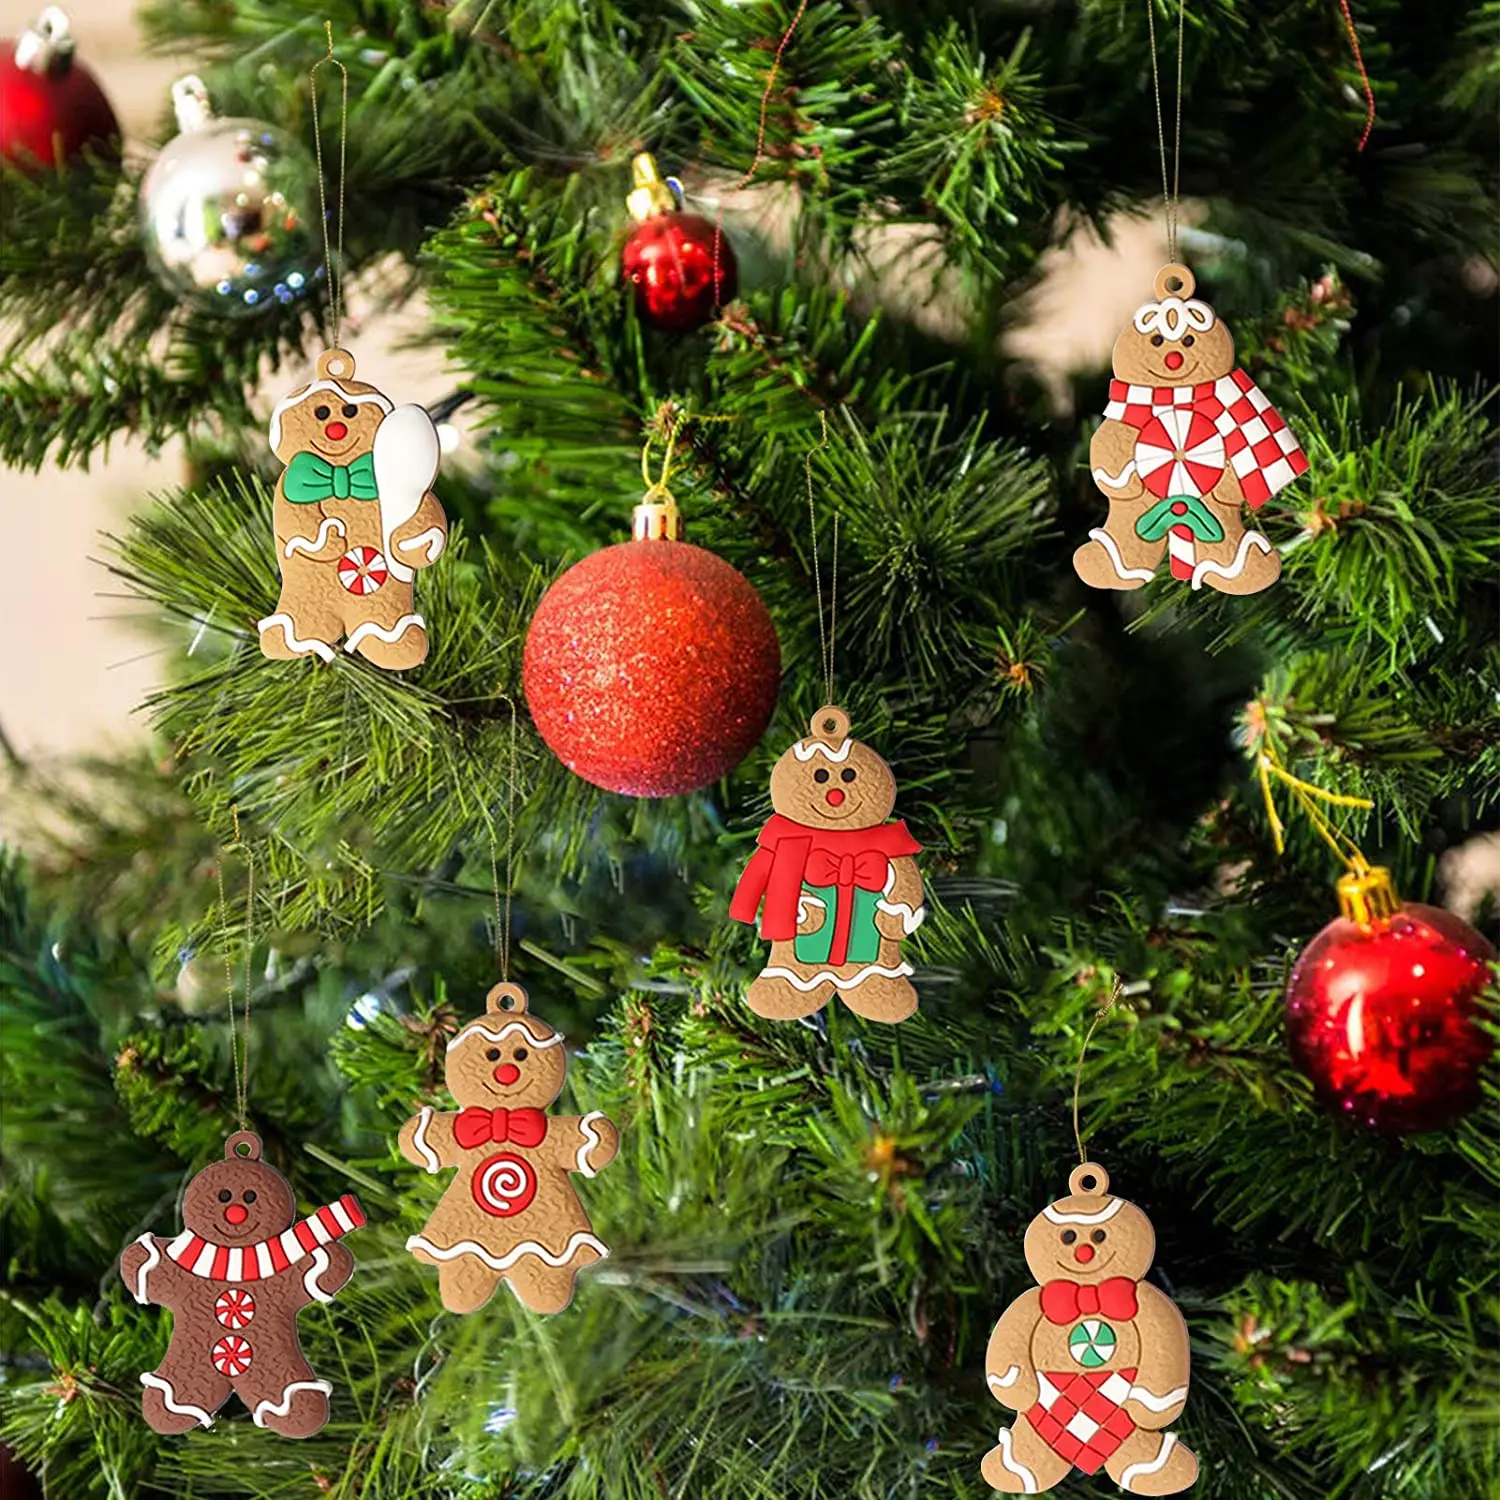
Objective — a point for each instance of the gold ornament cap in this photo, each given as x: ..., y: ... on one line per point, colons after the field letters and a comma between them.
x: 652, y: 194
x: 47, y: 46
x: 656, y: 518
x: 1368, y: 896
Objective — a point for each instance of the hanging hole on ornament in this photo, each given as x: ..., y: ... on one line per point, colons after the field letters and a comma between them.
x: 830, y: 723
x: 510, y: 998
x: 336, y: 364
x: 244, y: 1144
x: 1090, y: 1179
x: 1174, y: 281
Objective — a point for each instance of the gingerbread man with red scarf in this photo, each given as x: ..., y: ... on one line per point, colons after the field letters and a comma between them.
x: 1095, y: 1359
x: 835, y: 884
x: 511, y: 1212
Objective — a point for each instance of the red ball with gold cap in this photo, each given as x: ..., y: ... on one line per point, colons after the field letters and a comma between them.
x: 51, y: 105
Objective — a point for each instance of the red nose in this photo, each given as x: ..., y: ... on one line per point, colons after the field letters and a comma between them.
x: 833, y: 796
x: 1084, y: 1254
x: 1173, y: 361
x: 507, y: 1073
x: 236, y: 1213
x: 337, y: 432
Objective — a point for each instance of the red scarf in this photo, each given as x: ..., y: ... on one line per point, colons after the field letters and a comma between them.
x: 476, y: 1125
x: 1066, y: 1301
x: 790, y: 853
x: 266, y: 1257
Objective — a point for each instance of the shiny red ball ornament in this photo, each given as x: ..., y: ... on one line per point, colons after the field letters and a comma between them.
x: 1380, y: 1009
x: 681, y: 266
x: 51, y: 105
x: 652, y: 667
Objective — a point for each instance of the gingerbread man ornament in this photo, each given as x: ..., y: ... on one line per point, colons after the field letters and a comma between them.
x: 834, y: 881
x: 234, y: 1281
x: 354, y: 517
x: 1094, y: 1359
x: 511, y: 1212
x: 1186, y: 443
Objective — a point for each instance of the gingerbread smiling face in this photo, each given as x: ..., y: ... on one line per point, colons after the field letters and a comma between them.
x: 238, y: 1201
x: 1089, y: 1236
x: 832, y: 780
x: 334, y: 418
x: 506, y: 1062
x: 1174, y: 341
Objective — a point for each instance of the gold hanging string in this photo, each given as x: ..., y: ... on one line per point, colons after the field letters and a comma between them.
x: 502, y: 922
x: 1169, y: 194
x: 673, y: 421
x: 1116, y: 991
x: 239, y: 1048
x: 827, y: 639
x: 1268, y: 763
x: 335, y: 270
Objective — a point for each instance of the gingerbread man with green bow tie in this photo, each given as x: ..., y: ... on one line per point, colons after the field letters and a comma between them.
x: 355, y: 518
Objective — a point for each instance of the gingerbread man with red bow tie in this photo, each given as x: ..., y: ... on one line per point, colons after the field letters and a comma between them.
x: 511, y: 1211
x: 1094, y: 1359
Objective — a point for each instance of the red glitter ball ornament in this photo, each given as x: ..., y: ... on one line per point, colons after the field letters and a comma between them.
x: 652, y: 667
x: 51, y: 106
x: 1380, y: 1009
x: 681, y: 266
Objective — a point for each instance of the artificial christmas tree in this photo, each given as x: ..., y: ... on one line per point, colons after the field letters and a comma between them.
x: 812, y: 1227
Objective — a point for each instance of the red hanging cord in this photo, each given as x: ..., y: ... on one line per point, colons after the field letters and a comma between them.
x: 1364, y: 77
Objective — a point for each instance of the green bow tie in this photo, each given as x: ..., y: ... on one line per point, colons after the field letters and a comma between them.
x: 310, y: 479
x: 1195, y: 515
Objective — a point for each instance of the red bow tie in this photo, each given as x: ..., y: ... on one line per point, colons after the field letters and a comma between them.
x: 1065, y: 1301
x: 476, y: 1125
x: 866, y: 870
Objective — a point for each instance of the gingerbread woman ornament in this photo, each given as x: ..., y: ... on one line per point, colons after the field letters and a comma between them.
x: 511, y: 1212
x: 355, y: 517
x: 234, y: 1281
x: 1094, y: 1359
x: 834, y: 881
x: 1186, y: 443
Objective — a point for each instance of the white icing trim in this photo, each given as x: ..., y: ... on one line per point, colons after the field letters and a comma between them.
x: 1016, y: 1467
x: 1135, y: 1471
x: 1208, y: 565
x: 263, y: 1261
x: 1105, y: 540
x: 1172, y: 317
x: 434, y: 537
x: 322, y: 648
x: 169, y: 1399
x: 315, y: 1270
x: 234, y: 1267
x: 576, y: 1241
x: 1157, y: 1403
x: 1106, y: 480
x: 419, y: 1139
x: 839, y: 981
x: 305, y: 544
x: 586, y: 1125
x: 804, y: 900
x: 1005, y: 1381
x: 1107, y: 1212
x: 499, y: 1036
x: 389, y: 636
x: 282, y: 1407
x: 288, y: 402
x: 806, y: 749
x: 911, y: 919
x: 152, y: 1260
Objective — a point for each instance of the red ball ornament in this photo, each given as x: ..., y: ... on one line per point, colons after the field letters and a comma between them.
x: 681, y: 266
x: 651, y: 668
x: 51, y: 105
x: 1380, y: 1009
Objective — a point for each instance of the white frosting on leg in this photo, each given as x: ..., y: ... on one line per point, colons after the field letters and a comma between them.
x: 1135, y: 1471
x: 170, y: 1401
x: 319, y: 648
x: 389, y: 636
x: 829, y: 976
x: 282, y: 1407
x: 1014, y: 1464
x: 1234, y: 569
x: 1106, y: 541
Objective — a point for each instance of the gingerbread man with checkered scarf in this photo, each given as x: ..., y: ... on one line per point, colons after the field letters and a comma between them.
x: 235, y: 1280
x: 1187, y: 442
x: 1094, y: 1359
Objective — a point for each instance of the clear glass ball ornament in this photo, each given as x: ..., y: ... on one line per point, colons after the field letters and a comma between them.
x: 229, y: 210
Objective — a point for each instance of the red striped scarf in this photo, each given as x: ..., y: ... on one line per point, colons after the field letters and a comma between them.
x: 252, y: 1262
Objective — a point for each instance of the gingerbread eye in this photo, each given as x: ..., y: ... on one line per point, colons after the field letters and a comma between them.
x: 321, y: 413
x: 848, y: 775
x: 351, y: 410
x: 493, y: 1054
x: 1156, y: 341
x: 225, y: 1196
x: 820, y: 775
x: 1098, y: 1236
x: 251, y: 1196
x: 1069, y: 1235
x: 520, y: 1054
x: 1187, y: 343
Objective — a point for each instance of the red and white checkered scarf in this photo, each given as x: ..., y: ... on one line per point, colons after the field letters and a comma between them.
x: 1224, y: 421
x: 251, y: 1262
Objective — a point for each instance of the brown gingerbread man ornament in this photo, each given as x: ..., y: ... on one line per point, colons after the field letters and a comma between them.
x: 234, y: 1281
x: 1094, y: 1359
x: 834, y: 881
x: 1187, y: 441
x: 355, y: 518
x: 511, y: 1212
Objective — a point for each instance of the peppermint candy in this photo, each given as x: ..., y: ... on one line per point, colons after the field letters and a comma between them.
x: 362, y: 570
x: 504, y: 1184
x: 232, y: 1355
x: 234, y: 1308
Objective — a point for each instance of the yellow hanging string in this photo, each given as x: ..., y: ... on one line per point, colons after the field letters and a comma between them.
x: 335, y: 269
x: 1116, y: 991
x: 827, y: 639
x: 1268, y: 763
x: 668, y: 417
